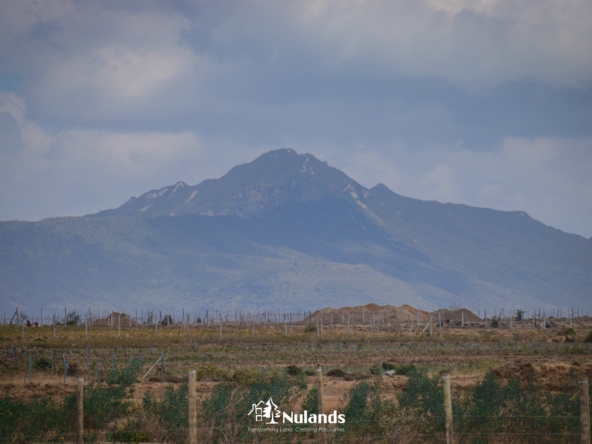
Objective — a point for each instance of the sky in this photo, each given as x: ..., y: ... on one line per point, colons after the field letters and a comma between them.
x: 481, y: 102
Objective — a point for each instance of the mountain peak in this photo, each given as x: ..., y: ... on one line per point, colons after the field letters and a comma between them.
x: 247, y: 190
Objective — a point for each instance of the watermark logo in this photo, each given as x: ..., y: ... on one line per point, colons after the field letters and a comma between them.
x: 266, y: 410
x: 269, y: 411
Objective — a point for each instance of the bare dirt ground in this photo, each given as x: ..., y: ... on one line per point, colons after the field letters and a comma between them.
x: 547, y: 351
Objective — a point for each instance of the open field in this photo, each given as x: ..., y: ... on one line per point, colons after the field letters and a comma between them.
x: 554, y: 358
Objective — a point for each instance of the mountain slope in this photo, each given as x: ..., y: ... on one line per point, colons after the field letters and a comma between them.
x: 288, y: 231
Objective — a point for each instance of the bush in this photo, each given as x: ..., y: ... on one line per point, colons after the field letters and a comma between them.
x: 212, y: 373
x: 310, y: 328
x: 336, y: 372
x: 129, y: 436
x: 423, y: 402
x: 42, y: 364
x: 507, y: 411
x: 36, y: 420
x: 73, y: 318
x: 246, y: 376
x: 311, y: 402
x: 399, y: 369
x: 170, y: 413
x: 126, y: 376
x: 226, y: 409
x: 366, y: 413
x: 374, y: 370
x: 293, y: 370
x: 588, y: 339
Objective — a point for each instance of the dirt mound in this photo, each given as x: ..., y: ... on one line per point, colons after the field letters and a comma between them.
x: 456, y: 316
x: 555, y: 377
x: 368, y: 313
x: 113, y: 319
x: 525, y: 372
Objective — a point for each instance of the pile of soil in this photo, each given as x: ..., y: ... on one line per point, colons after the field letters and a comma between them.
x: 113, y: 319
x: 404, y: 313
x: 554, y: 377
x: 456, y: 316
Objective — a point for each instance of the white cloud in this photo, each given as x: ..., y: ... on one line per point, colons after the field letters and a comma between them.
x: 549, y: 178
x: 79, y: 171
x: 128, y: 96
x: 474, y: 44
x: 105, y: 61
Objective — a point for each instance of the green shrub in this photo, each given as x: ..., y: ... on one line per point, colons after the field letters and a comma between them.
x: 399, y: 369
x: 293, y: 370
x: 170, y: 412
x: 42, y: 364
x: 212, y: 373
x: 366, y: 413
x: 73, y: 318
x: 423, y: 403
x: 588, y: 338
x: 246, y: 376
x: 129, y: 436
x: 374, y: 370
x: 512, y: 410
x: 39, y: 420
x: 336, y: 372
x: 28, y: 421
x: 126, y: 376
x: 226, y: 409
x: 310, y: 328
x: 311, y: 401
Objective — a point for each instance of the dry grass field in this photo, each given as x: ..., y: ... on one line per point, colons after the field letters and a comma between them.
x: 553, y: 358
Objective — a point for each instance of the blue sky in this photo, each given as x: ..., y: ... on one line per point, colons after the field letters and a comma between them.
x: 487, y: 103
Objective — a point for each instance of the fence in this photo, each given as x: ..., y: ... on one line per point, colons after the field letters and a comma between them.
x: 432, y: 416
x: 377, y: 320
x: 322, y: 436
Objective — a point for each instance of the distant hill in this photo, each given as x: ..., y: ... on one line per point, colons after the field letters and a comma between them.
x: 287, y: 231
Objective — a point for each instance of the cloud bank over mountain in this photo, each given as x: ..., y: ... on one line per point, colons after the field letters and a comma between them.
x: 486, y: 103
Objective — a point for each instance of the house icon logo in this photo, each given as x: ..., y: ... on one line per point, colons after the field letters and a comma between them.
x: 265, y: 411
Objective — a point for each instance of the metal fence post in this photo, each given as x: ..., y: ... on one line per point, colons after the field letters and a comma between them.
x: 585, y: 412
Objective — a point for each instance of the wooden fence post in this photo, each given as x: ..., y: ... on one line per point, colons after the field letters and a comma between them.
x: 448, y: 409
x: 322, y: 435
x: 192, y: 409
x: 585, y: 412
x: 80, y: 412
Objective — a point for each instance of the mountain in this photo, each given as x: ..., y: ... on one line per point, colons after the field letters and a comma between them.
x: 287, y: 231
x: 246, y: 190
